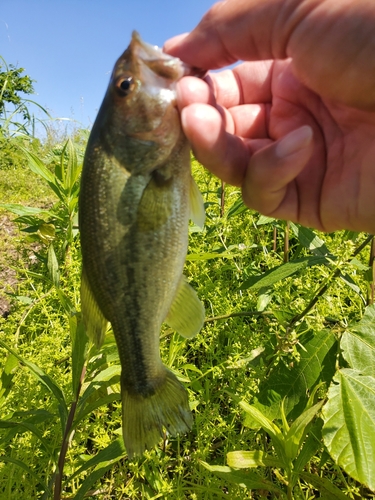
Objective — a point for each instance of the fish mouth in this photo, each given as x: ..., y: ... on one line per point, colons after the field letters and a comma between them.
x: 162, y: 64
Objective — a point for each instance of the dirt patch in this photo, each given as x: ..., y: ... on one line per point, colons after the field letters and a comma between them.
x: 9, y: 255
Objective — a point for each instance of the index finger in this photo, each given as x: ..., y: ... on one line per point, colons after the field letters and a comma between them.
x: 247, y: 83
x: 234, y: 30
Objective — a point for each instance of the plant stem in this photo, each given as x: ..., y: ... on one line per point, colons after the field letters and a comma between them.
x: 274, y: 238
x: 325, y: 287
x: 239, y: 314
x: 371, y: 296
x: 65, y: 441
x: 222, y: 199
x: 286, y: 242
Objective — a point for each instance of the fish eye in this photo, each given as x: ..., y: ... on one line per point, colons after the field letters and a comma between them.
x: 125, y: 85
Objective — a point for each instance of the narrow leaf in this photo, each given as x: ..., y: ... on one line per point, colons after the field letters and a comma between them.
x: 269, y: 427
x: 79, y: 350
x: 263, y: 421
x: 37, y: 165
x: 210, y: 255
x: 87, y: 410
x: 21, y: 427
x: 249, y: 480
x: 7, y: 374
x: 248, y: 459
x: 237, y: 208
x: 53, y: 266
x: 325, y: 486
x: 317, y: 364
x: 281, y: 272
x: 21, y: 210
x: 312, y: 444
x: 26, y: 468
x: 111, y: 454
x: 298, y: 430
x: 309, y: 239
x: 263, y: 219
x: 46, y: 380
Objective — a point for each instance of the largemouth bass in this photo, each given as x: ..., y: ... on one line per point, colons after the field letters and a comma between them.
x: 136, y: 196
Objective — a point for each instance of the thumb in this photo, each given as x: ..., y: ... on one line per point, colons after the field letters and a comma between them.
x: 267, y: 185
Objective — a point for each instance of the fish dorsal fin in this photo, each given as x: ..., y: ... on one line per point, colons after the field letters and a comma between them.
x: 93, y: 319
x: 186, y: 314
x: 197, y: 213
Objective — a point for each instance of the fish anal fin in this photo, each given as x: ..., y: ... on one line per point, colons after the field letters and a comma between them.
x: 93, y: 319
x: 197, y: 212
x: 186, y: 314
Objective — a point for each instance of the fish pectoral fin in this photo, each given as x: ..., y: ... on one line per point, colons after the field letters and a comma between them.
x: 93, y: 318
x: 186, y: 314
x: 197, y: 212
x: 155, y: 206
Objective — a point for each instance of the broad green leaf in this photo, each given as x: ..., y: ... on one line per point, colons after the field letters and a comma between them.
x: 349, y: 424
x: 325, y: 486
x: 249, y: 480
x: 358, y: 343
x: 309, y: 239
x: 317, y: 364
x: 281, y: 272
x: 298, y: 430
x: 248, y: 459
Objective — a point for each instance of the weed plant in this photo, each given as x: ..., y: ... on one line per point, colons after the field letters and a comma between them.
x: 280, y: 379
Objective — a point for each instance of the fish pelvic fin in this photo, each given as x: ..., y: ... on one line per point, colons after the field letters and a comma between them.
x: 93, y: 319
x: 144, y: 418
x: 186, y: 314
x: 197, y: 212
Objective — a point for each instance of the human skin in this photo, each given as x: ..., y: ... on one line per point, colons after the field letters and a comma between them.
x: 294, y: 125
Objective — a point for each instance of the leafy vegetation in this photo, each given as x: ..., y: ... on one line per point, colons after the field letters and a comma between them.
x: 280, y: 379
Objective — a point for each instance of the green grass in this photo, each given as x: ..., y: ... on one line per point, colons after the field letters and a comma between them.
x: 246, y: 338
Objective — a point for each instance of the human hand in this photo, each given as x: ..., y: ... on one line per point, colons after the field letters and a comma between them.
x: 295, y: 126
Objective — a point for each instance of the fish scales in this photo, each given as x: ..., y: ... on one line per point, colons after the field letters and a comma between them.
x: 136, y: 196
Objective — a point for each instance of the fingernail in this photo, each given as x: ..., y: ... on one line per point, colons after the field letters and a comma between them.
x: 294, y: 141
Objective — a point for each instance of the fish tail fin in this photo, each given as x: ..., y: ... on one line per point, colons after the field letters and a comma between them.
x: 146, y: 417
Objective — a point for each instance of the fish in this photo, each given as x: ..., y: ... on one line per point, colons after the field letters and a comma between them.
x: 136, y: 197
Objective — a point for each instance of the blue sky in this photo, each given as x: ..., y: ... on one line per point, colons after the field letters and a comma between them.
x: 70, y: 46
